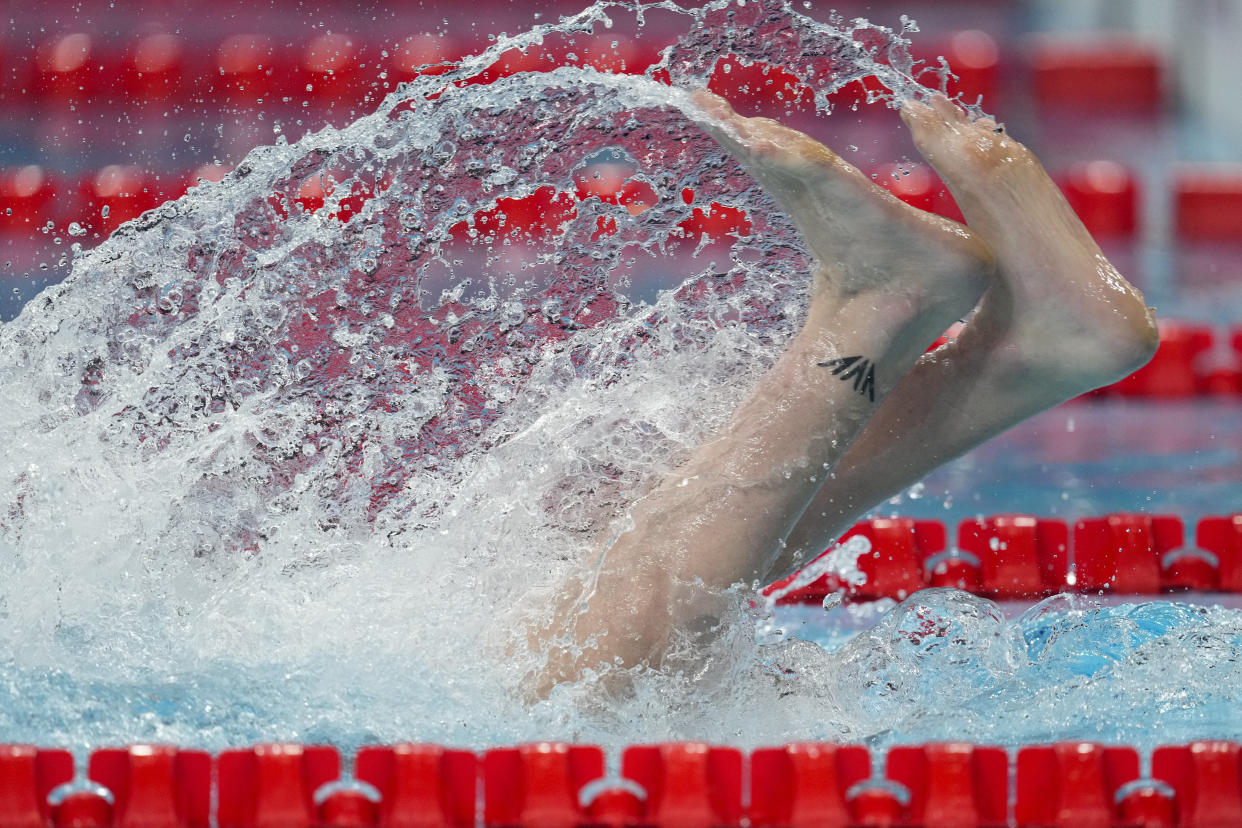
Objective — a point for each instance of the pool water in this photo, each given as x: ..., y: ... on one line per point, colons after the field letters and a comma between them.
x: 291, y: 472
x: 943, y: 665
x: 1181, y: 457
x: 1103, y: 668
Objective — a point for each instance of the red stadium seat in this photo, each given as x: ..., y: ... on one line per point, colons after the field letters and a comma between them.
x: 421, y: 784
x: 1097, y: 76
x: 690, y: 785
x: 1207, y: 780
x: 1071, y: 784
x: 1105, y: 195
x: 273, y: 786
x: 1174, y: 372
x: 1020, y: 556
x: 27, y: 776
x: 67, y: 66
x: 156, y: 785
x: 538, y: 784
x: 1222, y: 537
x: 155, y: 68
x: 805, y: 785
x: 952, y: 784
x: 1208, y: 203
x: 1122, y: 552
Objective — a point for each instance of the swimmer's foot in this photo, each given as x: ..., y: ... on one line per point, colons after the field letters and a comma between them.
x: 869, y: 244
x: 1066, y: 317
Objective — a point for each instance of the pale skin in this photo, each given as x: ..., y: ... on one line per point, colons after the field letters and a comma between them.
x: 811, y: 450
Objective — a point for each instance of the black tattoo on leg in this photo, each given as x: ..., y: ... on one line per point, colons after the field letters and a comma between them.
x: 858, y: 368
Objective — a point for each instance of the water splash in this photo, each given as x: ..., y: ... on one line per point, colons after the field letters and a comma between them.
x: 284, y: 453
x: 947, y: 666
x: 840, y: 562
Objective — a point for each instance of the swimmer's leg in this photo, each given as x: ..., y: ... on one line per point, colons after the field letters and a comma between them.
x: 1057, y: 321
x: 889, y: 282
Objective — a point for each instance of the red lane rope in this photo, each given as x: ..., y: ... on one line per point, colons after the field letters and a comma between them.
x: 670, y: 785
x: 1027, y: 557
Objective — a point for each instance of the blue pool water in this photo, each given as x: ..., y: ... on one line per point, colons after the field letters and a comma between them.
x: 1069, y: 668
x: 944, y: 665
x: 1104, y: 668
x: 1105, y: 455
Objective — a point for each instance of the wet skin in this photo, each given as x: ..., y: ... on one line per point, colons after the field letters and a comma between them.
x: 809, y: 450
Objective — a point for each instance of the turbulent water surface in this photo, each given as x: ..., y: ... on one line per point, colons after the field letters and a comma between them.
x: 283, y: 456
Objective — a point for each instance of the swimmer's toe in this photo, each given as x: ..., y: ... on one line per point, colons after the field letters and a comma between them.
x: 947, y: 109
x: 711, y: 103
x: 918, y: 115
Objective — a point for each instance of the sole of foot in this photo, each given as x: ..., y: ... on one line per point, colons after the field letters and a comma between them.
x: 1065, y: 307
